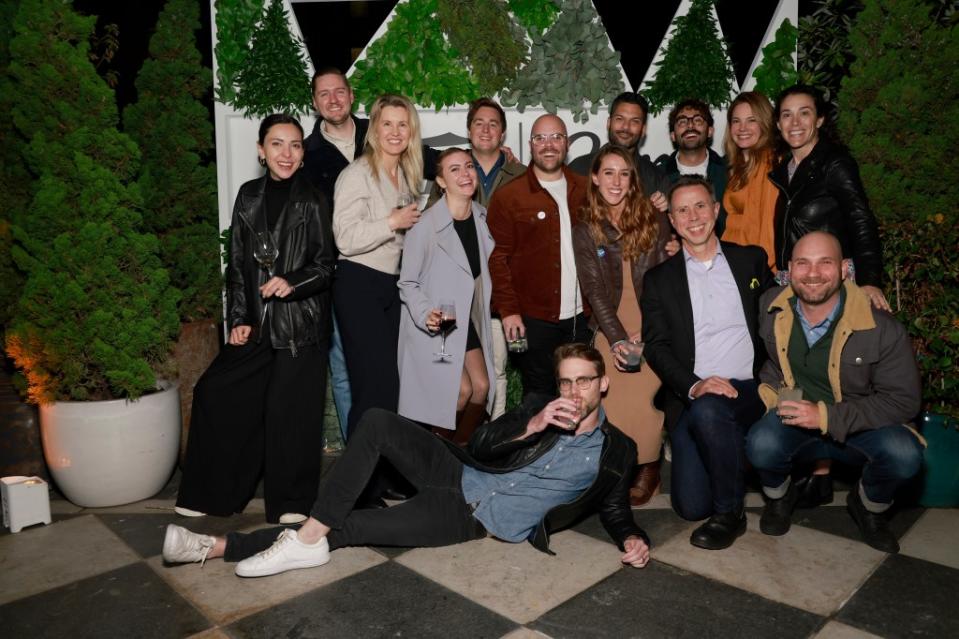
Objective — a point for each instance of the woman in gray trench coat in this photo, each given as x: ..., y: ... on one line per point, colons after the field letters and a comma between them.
x: 446, y: 257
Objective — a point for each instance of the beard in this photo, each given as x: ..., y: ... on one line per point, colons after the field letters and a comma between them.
x: 814, y: 297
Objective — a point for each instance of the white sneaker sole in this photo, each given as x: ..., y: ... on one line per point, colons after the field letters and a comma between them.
x: 266, y: 571
x: 186, y: 512
x: 292, y: 518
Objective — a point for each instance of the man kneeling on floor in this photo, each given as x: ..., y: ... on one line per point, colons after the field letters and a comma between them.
x: 857, y: 374
x: 535, y: 470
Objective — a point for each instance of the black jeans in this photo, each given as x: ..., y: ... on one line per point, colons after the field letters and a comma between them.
x: 437, y: 515
x: 709, y: 458
x: 536, y: 364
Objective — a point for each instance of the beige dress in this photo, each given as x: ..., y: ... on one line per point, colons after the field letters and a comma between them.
x: 629, y: 401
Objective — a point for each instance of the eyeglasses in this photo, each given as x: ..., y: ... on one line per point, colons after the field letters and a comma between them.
x: 684, y: 121
x: 582, y: 383
x: 540, y: 138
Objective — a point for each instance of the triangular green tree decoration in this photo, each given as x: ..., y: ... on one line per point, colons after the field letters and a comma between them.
x: 778, y: 69
x: 695, y: 63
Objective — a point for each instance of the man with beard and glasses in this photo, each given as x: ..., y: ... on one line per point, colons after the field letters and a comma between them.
x: 533, y: 268
x: 691, y: 130
x: 625, y: 127
x: 856, y: 374
x: 538, y: 469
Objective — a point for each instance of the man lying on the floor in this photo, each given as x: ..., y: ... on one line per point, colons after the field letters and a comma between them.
x: 535, y: 470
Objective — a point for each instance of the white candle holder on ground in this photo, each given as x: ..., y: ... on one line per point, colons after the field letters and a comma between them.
x: 26, y: 501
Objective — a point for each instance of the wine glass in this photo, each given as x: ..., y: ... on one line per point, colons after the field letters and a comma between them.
x: 404, y: 199
x: 265, y: 251
x: 426, y: 188
x: 447, y: 325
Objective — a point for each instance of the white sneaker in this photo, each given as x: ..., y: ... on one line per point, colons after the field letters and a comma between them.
x: 180, y: 546
x: 292, y: 518
x: 186, y: 512
x: 286, y: 553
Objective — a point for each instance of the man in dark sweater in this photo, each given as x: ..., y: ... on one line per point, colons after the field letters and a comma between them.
x: 536, y: 470
x: 858, y: 387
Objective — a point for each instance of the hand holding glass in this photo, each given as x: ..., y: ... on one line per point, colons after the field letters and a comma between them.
x: 447, y: 310
x: 265, y: 251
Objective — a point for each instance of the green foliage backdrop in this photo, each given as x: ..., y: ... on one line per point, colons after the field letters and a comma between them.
x: 534, y: 15
x: 178, y: 182
x: 899, y: 109
x: 777, y: 69
x: 695, y: 63
x: 235, y: 21
x: 97, y: 314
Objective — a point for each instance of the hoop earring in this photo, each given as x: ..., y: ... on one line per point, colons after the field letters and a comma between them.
x: 262, y: 161
x: 301, y: 164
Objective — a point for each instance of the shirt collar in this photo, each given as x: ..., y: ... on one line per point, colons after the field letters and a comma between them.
x: 719, y: 252
x: 829, y: 319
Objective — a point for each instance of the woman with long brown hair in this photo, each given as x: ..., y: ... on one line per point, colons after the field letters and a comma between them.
x: 618, y: 238
x: 750, y: 197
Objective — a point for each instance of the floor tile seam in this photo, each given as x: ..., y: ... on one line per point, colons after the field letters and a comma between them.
x: 173, y: 586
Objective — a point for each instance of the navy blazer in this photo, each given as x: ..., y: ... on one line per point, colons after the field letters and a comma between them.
x: 670, y: 343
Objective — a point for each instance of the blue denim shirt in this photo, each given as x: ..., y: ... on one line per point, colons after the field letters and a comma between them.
x: 814, y: 333
x: 487, y: 180
x: 510, y: 505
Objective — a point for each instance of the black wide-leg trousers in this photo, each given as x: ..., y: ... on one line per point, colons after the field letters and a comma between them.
x: 437, y: 515
x: 256, y: 409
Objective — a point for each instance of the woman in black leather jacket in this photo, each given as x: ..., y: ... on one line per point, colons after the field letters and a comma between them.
x: 259, y: 406
x: 820, y: 190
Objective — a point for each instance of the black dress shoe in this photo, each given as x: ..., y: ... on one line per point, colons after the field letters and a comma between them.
x: 777, y: 514
x: 719, y: 531
x: 873, y: 527
x: 815, y: 490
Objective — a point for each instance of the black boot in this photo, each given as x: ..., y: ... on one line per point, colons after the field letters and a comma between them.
x: 719, y: 531
x: 777, y: 514
x: 815, y: 490
x: 873, y: 527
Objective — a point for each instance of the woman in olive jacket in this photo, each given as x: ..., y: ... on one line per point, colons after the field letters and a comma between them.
x: 820, y: 190
x: 259, y: 405
x: 618, y: 238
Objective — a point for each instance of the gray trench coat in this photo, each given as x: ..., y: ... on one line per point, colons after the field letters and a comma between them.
x: 435, y: 267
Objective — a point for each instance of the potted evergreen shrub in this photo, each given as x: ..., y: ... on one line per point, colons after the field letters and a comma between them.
x: 898, y: 112
x: 96, y: 316
x: 171, y: 126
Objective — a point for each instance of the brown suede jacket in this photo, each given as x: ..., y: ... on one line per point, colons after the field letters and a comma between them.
x: 872, y: 369
x: 525, y: 265
x: 600, y: 271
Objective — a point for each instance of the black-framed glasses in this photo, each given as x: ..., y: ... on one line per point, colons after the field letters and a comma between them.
x: 581, y: 382
x: 698, y: 120
x: 540, y: 138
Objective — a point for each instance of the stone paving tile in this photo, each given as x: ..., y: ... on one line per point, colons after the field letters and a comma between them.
x: 54, y: 516
x: 835, y: 520
x: 385, y: 601
x: 906, y: 597
x: 663, y: 601
x: 212, y: 633
x: 805, y: 568
x: 144, y: 532
x: 837, y: 630
x: 659, y: 524
x: 223, y: 597
x: 516, y: 580
x: 38, y: 559
x: 525, y: 633
x: 127, y: 602
x: 934, y: 537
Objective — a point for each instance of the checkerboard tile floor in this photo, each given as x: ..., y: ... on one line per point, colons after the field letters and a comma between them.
x: 98, y: 573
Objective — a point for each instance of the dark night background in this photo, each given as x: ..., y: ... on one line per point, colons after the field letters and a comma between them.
x: 634, y: 28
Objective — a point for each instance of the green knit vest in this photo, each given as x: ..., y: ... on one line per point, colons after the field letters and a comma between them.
x: 810, y: 366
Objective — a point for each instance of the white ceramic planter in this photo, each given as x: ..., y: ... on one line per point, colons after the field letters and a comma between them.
x: 112, y: 452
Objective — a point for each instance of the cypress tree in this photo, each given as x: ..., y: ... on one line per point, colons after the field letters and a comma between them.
x: 178, y: 183
x: 96, y: 315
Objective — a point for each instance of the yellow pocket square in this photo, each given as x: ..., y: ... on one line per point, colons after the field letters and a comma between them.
x: 753, y: 284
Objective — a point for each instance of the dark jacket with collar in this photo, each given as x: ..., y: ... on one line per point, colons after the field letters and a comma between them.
x: 872, y: 368
x: 497, y: 447
x: 305, y: 261
x: 716, y: 173
x: 600, y: 271
x: 826, y: 194
x: 525, y: 265
x: 668, y: 330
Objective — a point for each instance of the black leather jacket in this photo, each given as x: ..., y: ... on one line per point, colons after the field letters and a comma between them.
x: 496, y: 448
x: 826, y: 194
x: 305, y: 260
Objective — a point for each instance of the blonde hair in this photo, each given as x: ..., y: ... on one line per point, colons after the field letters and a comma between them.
x: 411, y: 161
x: 742, y: 166
x: 637, y: 223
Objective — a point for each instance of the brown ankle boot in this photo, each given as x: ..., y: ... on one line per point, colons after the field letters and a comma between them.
x: 473, y: 415
x: 646, y: 484
x: 446, y: 433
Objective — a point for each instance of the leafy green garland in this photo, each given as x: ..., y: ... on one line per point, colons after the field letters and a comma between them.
x: 170, y: 124
x: 534, y: 15
x: 413, y: 58
x: 695, y: 63
x: 488, y: 40
x: 777, y: 69
x: 571, y: 66
x: 274, y: 77
x: 235, y: 22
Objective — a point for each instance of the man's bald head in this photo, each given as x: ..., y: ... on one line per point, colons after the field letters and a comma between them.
x: 816, y: 270
x: 547, y: 146
x: 549, y: 122
x: 820, y: 243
